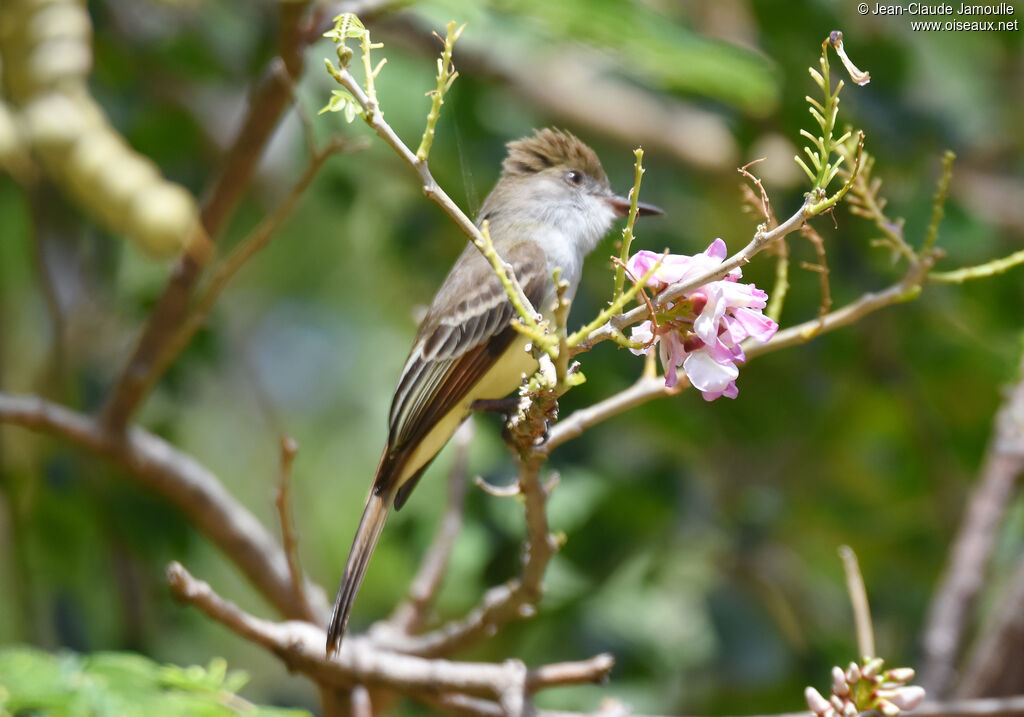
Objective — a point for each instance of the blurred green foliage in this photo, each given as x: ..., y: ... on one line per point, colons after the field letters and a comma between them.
x: 120, y: 684
x: 701, y: 537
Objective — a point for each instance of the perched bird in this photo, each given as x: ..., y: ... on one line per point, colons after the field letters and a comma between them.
x: 550, y: 207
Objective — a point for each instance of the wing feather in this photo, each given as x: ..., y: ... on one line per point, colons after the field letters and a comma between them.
x: 454, y: 348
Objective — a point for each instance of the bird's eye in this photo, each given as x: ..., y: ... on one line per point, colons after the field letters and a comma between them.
x: 574, y: 176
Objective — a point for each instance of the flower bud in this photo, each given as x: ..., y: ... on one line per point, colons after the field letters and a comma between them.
x: 900, y: 674
x: 698, y: 300
x: 815, y: 702
x: 853, y: 673
x: 870, y: 670
x: 887, y: 708
x: 908, y: 698
x: 839, y: 684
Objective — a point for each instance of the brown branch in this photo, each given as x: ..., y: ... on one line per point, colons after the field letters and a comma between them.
x: 764, y: 204
x: 969, y: 556
x: 289, y: 541
x: 268, y: 101
x: 905, y: 289
x: 300, y: 646
x: 512, y: 600
x: 182, y: 481
x: 821, y: 268
x: 410, y: 614
x: 645, y: 389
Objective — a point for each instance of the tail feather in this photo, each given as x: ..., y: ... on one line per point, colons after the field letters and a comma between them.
x: 370, y: 526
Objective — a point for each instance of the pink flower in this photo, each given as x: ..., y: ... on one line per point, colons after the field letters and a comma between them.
x: 704, y: 338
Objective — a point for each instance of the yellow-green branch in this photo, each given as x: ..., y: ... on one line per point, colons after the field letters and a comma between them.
x: 445, y: 78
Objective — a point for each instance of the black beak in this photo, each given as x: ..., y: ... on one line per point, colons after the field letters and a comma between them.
x: 621, y: 207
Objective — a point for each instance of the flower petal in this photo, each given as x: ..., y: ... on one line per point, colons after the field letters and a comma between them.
x: 717, y: 250
x: 706, y: 374
x: 755, y: 323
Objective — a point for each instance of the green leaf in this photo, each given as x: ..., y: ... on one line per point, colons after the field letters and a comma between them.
x: 342, y: 101
x: 347, y: 26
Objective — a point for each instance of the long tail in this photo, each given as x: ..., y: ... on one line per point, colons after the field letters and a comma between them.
x: 370, y: 526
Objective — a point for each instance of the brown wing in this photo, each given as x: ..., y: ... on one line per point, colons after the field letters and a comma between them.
x: 455, y: 347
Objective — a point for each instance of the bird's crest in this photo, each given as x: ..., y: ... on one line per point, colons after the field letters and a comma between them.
x: 550, y: 148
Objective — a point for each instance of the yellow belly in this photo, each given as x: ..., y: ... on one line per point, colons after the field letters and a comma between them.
x: 504, y: 377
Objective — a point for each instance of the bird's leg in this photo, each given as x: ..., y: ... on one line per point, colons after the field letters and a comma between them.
x: 504, y: 406
x: 507, y: 408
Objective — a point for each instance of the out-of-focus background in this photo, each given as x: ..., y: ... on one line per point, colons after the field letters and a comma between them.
x: 701, y: 536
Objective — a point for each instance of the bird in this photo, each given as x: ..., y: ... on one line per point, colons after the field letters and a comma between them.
x: 550, y: 207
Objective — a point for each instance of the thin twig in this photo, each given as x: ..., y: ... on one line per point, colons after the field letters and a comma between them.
x: 905, y: 289
x: 645, y: 389
x: 432, y: 189
x: 939, y: 201
x: 821, y: 268
x: 289, y: 539
x: 859, y: 602
x: 498, y: 491
x: 765, y: 206
x: 981, y: 271
x: 864, y: 201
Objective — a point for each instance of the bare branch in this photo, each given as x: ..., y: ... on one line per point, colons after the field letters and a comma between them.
x: 498, y: 491
x: 905, y: 289
x: 646, y: 388
x: 969, y: 556
x: 289, y: 541
x: 821, y: 268
x: 182, y: 481
x: 300, y: 646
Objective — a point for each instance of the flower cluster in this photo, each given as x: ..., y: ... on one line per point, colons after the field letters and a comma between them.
x: 866, y: 687
x: 703, y: 331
